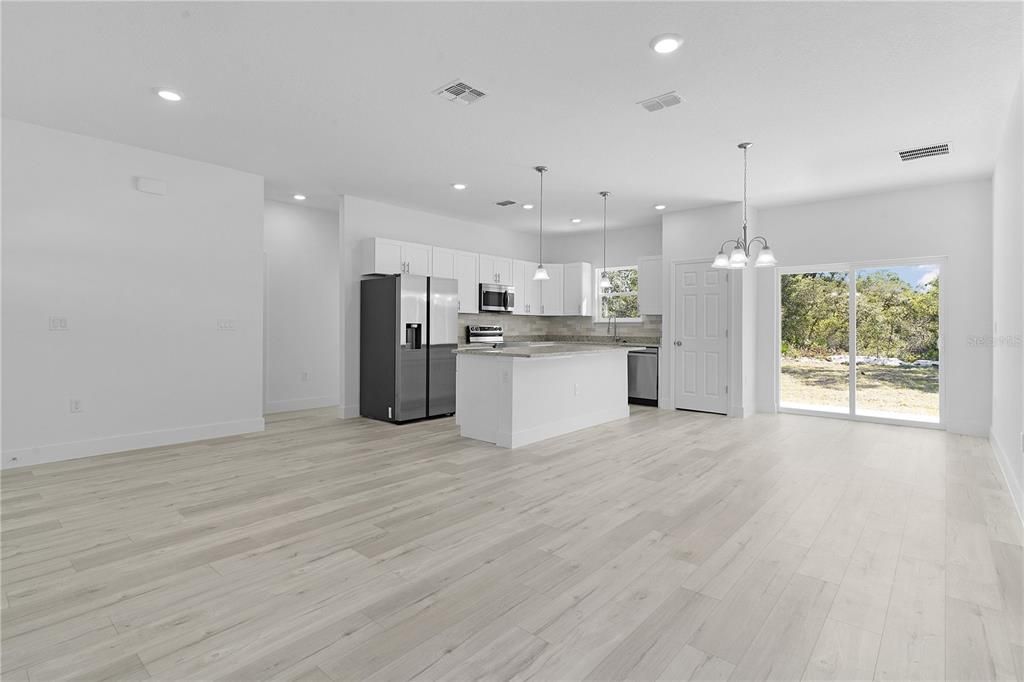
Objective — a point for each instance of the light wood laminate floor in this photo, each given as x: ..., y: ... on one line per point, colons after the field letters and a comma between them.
x: 669, y: 545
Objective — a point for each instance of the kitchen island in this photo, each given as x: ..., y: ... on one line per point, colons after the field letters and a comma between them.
x: 513, y: 396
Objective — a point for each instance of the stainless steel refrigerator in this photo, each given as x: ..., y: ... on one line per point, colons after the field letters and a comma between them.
x: 408, y: 330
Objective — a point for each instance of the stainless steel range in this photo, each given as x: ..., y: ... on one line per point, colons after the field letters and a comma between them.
x: 489, y: 334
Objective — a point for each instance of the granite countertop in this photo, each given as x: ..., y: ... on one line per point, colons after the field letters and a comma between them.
x: 547, y: 350
x: 589, y: 339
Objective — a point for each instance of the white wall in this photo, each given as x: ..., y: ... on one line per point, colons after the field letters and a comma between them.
x: 1007, y: 301
x: 301, y: 314
x: 142, y: 280
x: 952, y: 220
x: 360, y: 219
x: 625, y: 246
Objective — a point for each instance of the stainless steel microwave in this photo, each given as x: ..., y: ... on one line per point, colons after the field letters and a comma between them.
x: 497, y: 298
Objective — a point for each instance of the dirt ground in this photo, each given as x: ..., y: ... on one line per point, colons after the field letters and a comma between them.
x: 900, y: 390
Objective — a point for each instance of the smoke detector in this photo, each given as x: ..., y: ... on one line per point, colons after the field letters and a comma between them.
x: 669, y: 99
x: 939, y: 149
x: 460, y: 92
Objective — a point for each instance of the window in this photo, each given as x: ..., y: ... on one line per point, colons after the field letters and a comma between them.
x: 621, y: 301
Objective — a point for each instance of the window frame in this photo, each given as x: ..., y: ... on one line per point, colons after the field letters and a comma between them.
x: 598, y: 294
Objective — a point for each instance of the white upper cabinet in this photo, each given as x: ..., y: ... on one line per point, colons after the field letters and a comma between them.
x: 495, y: 270
x: 552, y: 291
x: 579, y: 289
x: 442, y: 262
x: 462, y: 267
x: 649, y: 285
x: 467, y: 274
x: 391, y: 257
x: 528, y: 296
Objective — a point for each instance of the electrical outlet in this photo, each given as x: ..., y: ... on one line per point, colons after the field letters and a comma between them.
x: 225, y: 325
x: 74, y: 406
x: 575, y: 389
x: 58, y: 324
x: 304, y: 376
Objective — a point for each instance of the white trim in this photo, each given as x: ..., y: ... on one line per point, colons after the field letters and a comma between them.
x: 348, y: 411
x: 1011, y: 482
x: 862, y: 418
x: 851, y: 272
x: 58, y: 452
x: 275, y: 406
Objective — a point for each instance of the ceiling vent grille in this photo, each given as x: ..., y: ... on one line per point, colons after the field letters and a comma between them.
x: 923, y: 152
x: 669, y: 99
x: 457, y: 91
x: 507, y: 202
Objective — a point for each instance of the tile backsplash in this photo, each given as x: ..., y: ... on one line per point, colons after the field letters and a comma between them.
x: 563, y: 327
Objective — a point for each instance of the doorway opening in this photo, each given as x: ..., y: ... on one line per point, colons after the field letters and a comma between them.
x: 862, y: 341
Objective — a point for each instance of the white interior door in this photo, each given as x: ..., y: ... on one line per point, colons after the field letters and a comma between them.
x: 700, y: 345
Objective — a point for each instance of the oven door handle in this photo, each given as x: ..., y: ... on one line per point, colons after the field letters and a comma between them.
x: 504, y: 300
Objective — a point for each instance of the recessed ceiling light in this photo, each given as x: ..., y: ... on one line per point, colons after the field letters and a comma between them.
x: 659, y: 207
x: 459, y: 186
x: 169, y: 95
x: 528, y: 207
x: 666, y: 43
x: 576, y: 220
x: 299, y: 197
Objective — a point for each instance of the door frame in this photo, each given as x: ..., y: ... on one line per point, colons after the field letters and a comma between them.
x: 851, y: 270
x: 732, y: 349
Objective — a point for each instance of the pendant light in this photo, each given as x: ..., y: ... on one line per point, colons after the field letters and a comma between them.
x: 739, y: 256
x: 541, y: 272
x: 605, y: 283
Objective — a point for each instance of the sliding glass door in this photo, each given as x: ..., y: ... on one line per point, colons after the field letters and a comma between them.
x: 862, y: 340
x: 815, y: 341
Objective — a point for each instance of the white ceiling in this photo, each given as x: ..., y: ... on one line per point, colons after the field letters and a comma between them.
x: 336, y: 98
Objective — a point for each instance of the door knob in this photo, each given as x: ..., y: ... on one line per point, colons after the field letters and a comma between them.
x: 678, y: 343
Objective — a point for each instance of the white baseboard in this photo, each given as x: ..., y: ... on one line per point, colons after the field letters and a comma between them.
x: 968, y: 428
x: 348, y: 411
x: 58, y: 452
x: 1012, y: 484
x: 275, y: 406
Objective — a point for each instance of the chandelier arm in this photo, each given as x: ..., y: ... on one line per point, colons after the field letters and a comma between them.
x: 764, y: 242
x: 729, y: 241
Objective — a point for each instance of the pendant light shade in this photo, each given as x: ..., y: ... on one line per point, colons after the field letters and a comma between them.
x: 606, y: 283
x: 765, y: 259
x: 541, y: 273
x: 739, y: 255
x: 738, y: 258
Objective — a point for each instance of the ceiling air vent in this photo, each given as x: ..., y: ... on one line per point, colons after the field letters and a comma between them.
x: 457, y: 91
x: 669, y: 99
x: 507, y: 202
x: 922, y: 152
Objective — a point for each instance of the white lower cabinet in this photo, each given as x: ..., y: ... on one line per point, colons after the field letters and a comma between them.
x: 579, y: 289
x: 552, y: 291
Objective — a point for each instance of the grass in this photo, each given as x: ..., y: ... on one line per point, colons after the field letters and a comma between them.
x: 900, y: 390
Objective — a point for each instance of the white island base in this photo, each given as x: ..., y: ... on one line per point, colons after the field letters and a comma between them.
x: 513, y: 397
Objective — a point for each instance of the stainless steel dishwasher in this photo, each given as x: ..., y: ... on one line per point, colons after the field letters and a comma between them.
x: 642, y: 364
